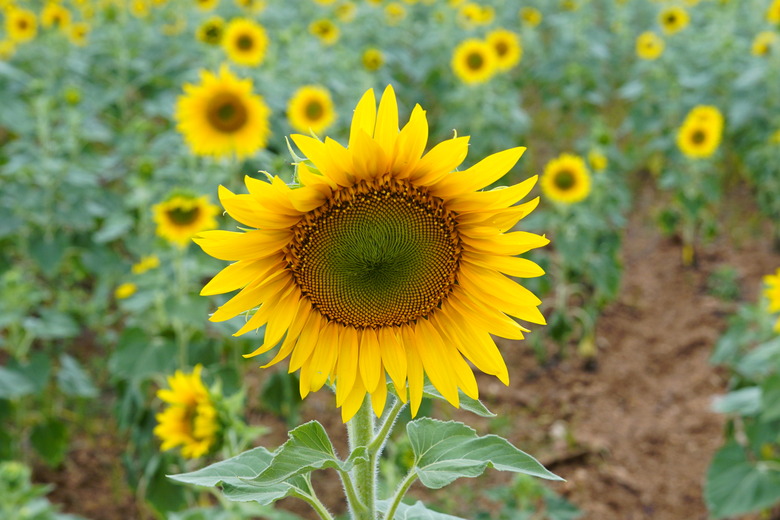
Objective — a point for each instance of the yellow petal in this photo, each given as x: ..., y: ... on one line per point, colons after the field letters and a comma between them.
x: 492, y: 199
x: 240, y: 274
x: 307, y: 340
x: 485, y: 172
x: 299, y: 319
x: 499, y: 220
x: 434, y: 359
x: 386, y: 131
x: 247, y: 210
x: 414, y: 369
x: 309, y: 179
x: 347, y: 366
x: 264, y: 313
x: 410, y: 144
x: 251, y: 296
x: 320, y: 154
x: 494, y: 322
x: 393, y: 357
x: 268, y: 197
x: 370, y: 359
x: 325, y: 355
x: 369, y: 160
x: 440, y: 160
x: 354, y: 401
x: 251, y: 245
x: 510, y: 265
x: 379, y: 398
x: 475, y: 279
x: 364, y: 119
x: 510, y: 244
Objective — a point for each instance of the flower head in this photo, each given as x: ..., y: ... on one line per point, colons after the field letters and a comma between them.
x: 772, y: 294
x: 530, y: 16
x: 245, y: 42
x: 566, y: 179
x: 506, y: 45
x: 125, y: 290
x: 183, y: 216
x: 673, y: 19
x: 773, y: 12
x: 325, y: 30
x: 55, y: 15
x: 383, y: 261
x: 764, y: 42
x: 221, y: 116
x: 190, y: 420
x: 700, y: 134
x: 373, y: 59
x: 78, y: 33
x: 211, y: 31
x: 649, y: 46
x: 147, y: 263
x: 474, y: 61
x: 311, y: 109
x: 20, y: 25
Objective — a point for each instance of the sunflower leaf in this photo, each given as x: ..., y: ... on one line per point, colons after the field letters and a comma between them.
x: 243, y: 466
x: 467, y: 403
x: 418, y: 511
x: 265, y: 494
x: 446, y: 451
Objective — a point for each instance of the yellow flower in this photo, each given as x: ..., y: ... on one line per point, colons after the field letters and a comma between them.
x: 139, y: 8
x: 673, y: 19
x: 190, y: 420
x: 507, y: 48
x: 649, y: 46
x: 245, y: 42
x: 253, y: 6
x: 181, y: 217
x: 373, y: 59
x: 472, y: 14
x: 569, y: 5
x: 772, y: 294
x: 55, y: 15
x: 177, y: 25
x: 20, y: 25
x: 775, y: 137
x: 211, y: 30
x: 763, y: 43
x: 125, y: 290
x: 345, y: 11
x: 324, y: 2
x: 700, y: 134
x: 474, y: 61
x: 530, y: 16
x: 325, y: 30
x: 773, y: 12
x: 394, y: 13
x: 566, y: 179
x: 7, y: 49
x: 221, y: 116
x: 78, y: 33
x: 147, y: 263
x: 383, y: 261
x: 310, y: 109
x: 598, y: 161
x: 206, y: 5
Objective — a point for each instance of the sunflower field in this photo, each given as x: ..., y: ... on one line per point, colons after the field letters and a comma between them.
x: 221, y: 220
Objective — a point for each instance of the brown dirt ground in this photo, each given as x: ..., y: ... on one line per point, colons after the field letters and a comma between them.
x: 632, y: 437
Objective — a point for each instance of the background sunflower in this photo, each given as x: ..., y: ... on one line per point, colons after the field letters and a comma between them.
x: 245, y: 42
x: 310, y: 109
x: 566, y: 179
x: 181, y: 217
x: 474, y: 61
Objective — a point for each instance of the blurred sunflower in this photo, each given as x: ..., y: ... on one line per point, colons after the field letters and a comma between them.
x: 7, y: 49
x: 706, y: 114
x: 211, y: 30
x: 345, y: 11
x: 373, y: 59
x: 245, y: 42
x: 698, y: 140
x: 472, y: 14
x: 253, y: 6
x: 384, y: 261
x: 78, y: 33
x: 55, y: 15
x: 125, y: 290
x: 394, y: 13
x: 139, y: 8
x: 530, y: 16
x: 506, y: 45
x: 474, y: 61
x: 649, y: 46
x: 190, y: 420
x: 20, y: 25
x: 673, y: 19
x: 222, y: 116
x: 325, y: 30
x: 566, y: 179
x: 764, y: 42
x: 310, y: 109
x: 773, y: 12
x: 183, y: 216
x: 597, y: 160
x: 772, y: 294
x: 569, y: 5
x: 147, y: 263
x: 206, y: 5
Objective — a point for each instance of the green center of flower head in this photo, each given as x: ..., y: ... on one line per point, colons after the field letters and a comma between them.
x: 379, y: 253
x: 314, y: 110
x: 671, y: 19
x: 213, y: 33
x: 698, y: 136
x: 475, y: 61
x: 182, y: 216
x: 245, y: 42
x: 501, y: 48
x: 226, y: 112
x: 565, y: 180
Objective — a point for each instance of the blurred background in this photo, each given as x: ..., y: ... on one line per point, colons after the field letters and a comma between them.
x: 654, y: 390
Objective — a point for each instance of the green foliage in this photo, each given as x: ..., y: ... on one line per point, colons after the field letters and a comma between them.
x: 23, y: 500
x: 527, y: 499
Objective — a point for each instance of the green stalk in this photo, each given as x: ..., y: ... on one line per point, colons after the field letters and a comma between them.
x: 360, y: 430
x: 399, y: 494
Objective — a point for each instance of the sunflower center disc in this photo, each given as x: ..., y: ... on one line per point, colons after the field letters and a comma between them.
x: 475, y: 61
x: 698, y: 137
x: 564, y: 180
x: 314, y: 110
x: 226, y: 112
x: 379, y: 253
x: 245, y: 42
x: 183, y: 216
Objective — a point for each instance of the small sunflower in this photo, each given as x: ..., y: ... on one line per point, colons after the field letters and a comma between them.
x: 211, y: 30
x: 20, y: 25
x: 373, y: 59
x: 597, y: 160
x: 147, y: 263
x: 706, y: 114
x: 55, y: 15
x: 7, y: 49
x: 773, y: 12
x: 221, y: 116
x: 206, y: 5
x: 698, y: 140
x: 394, y: 13
x: 310, y: 109
x: 764, y: 42
x: 140, y: 8
x: 181, y: 217
x: 649, y: 46
x: 78, y: 33
x: 253, y: 6
x: 190, y: 420
x: 382, y: 262
x: 325, y: 30
x: 673, y: 19
x: 473, y: 14
x: 125, y: 290
x: 346, y: 11
x: 245, y: 42
x: 566, y: 179
x: 530, y: 16
x: 506, y: 45
x: 474, y: 61
x: 772, y: 294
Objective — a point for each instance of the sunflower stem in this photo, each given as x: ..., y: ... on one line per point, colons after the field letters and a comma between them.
x: 360, y: 430
x: 403, y: 487
x: 378, y: 443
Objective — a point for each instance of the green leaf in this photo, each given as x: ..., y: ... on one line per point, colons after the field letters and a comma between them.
x: 745, y: 401
x: 14, y: 384
x: 735, y: 485
x: 265, y: 494
x: 73, y: 380
x: 446, y: 451
x: 308, y: 449
x: 50, y: 440
x: 466, y: 403
x: 418, y: 511
x: 770, y: 398
x: 246, y: 465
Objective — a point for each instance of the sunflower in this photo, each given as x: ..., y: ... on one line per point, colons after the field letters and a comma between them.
x: 383, y: 261
x: 394, y: 13
x: 191, y: 419
x: 474, y: 61
x: 7, y: 49
x: 706, y: 114
x: 125, y: 290
x: 55, y: 15
x: 566, y: 179
x: 530, y: 16
x: 147, y: 263
x: 78, y: 33
x: 373, y: 59
x: 181, y: 217
x: 211, y: 30
x: 773, y: 12
x: 253, y: 6
x: 698, y: 140
x: 346, y: 11
x: 221, y: 116
x: 245, y: 42
x: 673, y: 19
x: 763, y: 43
x: 206, y: 5
x: 310, y: 109
x: 139, y: 8
x: 20, y: 25
x: 325, y: 30
x: 649, y: 46
x: 507, y: 48
x: 597, y: 160
x: 472, y: 14
x: 772, y: 294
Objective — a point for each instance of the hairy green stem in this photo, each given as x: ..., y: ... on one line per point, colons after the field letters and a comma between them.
x: 360, y: 430
x: 376, y: 446
x: 399, y: 494
x: 315, y: 504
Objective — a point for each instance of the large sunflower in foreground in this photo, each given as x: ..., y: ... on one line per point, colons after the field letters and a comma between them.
x: 566, y: 179
x: 221, y: 116
x: 382, y: 261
